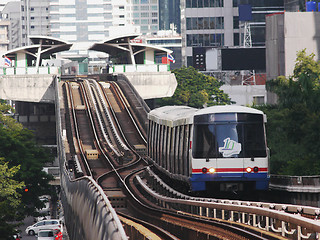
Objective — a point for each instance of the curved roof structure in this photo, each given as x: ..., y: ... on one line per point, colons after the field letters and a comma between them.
x: 44, y: 46
x: 47, y: 46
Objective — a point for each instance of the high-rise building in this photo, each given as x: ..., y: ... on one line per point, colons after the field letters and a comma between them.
x: 260, y: 8
x: 294, y: 5
x: 11, y: 14
x: 145, y: 14
x: 34, y: 19
x: 206, y: 23
x: 4, y: 39
x: 88, y: 20
x: 215, y: 24
x: 169, y: 15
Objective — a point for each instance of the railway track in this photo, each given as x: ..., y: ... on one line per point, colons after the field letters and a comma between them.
x: 108, y: 141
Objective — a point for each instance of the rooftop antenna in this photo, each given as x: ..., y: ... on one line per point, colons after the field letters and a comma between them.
x: 245, y: 16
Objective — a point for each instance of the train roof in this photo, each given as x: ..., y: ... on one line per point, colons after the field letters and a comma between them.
x: 179, y: 115
x: 172, y: 115
x: 227, y: 109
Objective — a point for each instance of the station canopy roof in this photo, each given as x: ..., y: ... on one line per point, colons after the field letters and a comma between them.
x: 47, y: 45
x: 114, y: 45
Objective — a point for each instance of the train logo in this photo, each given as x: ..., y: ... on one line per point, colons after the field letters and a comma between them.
x: 230, y: 147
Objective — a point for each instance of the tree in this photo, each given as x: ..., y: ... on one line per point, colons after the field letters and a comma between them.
x: 19, y: 149
x: 196, y: 90
x: 294, y: 123
x: 10, y: 199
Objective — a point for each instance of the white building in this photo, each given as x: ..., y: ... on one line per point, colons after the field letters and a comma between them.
x: 146, y: 15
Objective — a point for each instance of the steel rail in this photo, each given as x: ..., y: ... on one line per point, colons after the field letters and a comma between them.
x: 107, y: 138
x: 75, y: 123
x: 125, y: 103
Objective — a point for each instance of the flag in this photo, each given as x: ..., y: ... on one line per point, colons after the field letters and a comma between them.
x: 7, y: 61
x: 171, y: 58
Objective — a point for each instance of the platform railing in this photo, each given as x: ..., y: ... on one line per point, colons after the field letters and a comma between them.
x: 29, y: 70
x: 122, y: 68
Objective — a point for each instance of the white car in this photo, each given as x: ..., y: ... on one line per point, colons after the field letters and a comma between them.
x: 44, y: 224
x: 48, y: 234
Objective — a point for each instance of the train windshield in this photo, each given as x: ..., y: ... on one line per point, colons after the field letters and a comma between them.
x: 241, y: 137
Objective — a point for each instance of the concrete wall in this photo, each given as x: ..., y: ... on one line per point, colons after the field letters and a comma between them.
x: 244, y: 94
x: 40, y: 88
x: 28, y: 88
x: 286, y: 34
x: 153, y: 85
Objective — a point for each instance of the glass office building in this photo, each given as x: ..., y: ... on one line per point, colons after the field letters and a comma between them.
x: 215, y: 24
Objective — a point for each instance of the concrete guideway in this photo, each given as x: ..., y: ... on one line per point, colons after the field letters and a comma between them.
x: 40, y: 87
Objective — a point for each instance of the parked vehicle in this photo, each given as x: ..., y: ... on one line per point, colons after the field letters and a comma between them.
x: 49, y: 234
x: 44, y: 224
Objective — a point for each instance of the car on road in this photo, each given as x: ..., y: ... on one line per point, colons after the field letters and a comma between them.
x: 49, y: 234
x: 44, y: 224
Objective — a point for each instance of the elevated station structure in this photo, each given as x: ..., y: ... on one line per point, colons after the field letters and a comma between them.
x: 136, y: 61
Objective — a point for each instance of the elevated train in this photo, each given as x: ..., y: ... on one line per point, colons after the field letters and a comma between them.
x: 219, y: 148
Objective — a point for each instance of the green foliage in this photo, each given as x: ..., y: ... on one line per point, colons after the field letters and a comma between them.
x: 10, y: 198
x: 294, y: 123
x: 196, y: 90
x: 20, y: 151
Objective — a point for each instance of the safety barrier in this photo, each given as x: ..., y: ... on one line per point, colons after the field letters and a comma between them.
x: 29, y: 70
x: 284, y: 219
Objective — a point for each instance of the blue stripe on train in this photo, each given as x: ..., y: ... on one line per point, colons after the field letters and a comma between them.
x: 198, y: 181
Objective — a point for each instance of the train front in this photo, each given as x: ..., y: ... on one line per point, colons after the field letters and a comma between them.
x: 229, y: 151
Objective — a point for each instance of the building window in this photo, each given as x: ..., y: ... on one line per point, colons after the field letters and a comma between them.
x: 154, y: 21
x: 235, y: 3
x: 205, y: 23
x: 236, y: 39
x: 121, y: 16
x: 144, y: 1
x: 144, y: 28
x: 235, y: 22
x: 189, y: 61
x: 154, y: 14
x: 32, y: 9
x: 144, y: 21
x: 121, y: 7
x: 258, y: 100
x: 144, y: 14
x: 144, y: 8
x: 205, y: 40
x: 204, y: 3
x: 188, y: 3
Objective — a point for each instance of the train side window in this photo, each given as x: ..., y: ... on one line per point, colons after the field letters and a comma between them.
x: 254, y: 140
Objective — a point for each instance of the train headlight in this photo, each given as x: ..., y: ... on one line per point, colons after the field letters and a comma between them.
x: 249, y: 169
x: 204, y: 170
x: 212, y: 170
